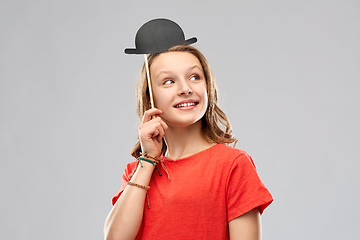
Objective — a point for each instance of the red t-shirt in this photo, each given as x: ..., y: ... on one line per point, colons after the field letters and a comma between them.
x: 206, y: 191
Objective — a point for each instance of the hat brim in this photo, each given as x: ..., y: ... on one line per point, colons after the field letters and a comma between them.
x: 151, y: 51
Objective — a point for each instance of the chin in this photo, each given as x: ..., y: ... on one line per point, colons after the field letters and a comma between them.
x: 183, y: 123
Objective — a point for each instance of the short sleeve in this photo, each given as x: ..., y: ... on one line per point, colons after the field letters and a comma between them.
x: 245, y: 190
x: 125, y: 179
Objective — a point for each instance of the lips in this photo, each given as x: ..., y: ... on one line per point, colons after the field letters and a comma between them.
x: 186, y: 103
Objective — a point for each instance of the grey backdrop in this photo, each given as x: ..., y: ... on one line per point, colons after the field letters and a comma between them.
x: 288, y: 74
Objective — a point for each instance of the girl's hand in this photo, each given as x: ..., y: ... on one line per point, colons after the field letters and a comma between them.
x: 151, y: 132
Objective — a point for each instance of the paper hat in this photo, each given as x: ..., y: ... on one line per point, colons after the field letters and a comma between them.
x: 158, y: 35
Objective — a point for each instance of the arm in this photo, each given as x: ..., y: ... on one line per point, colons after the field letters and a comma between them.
x: 124, y: 219
x: 246, y: 227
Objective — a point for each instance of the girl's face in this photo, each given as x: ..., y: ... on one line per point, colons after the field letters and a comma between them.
x: 179, y: 88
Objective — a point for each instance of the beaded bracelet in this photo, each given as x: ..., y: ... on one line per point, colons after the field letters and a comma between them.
x: 141, y: 187
x: 138, y: 185
x: 148, y: 156
x: 149, y: 161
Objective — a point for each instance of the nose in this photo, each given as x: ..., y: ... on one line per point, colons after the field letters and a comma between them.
x: 184, y: 88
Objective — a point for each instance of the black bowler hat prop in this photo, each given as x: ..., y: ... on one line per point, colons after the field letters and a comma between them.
x: 158, y: 35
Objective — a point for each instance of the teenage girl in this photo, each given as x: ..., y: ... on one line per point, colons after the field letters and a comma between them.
x: 186, y: 183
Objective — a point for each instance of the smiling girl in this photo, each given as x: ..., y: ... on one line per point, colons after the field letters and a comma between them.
x: 186, y: 183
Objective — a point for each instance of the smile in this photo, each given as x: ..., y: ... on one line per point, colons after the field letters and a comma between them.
x: 188, y: 104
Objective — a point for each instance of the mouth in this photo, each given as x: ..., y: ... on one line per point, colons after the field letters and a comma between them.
x: 186, y: 104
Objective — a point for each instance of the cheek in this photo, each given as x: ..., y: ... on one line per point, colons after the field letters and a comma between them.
x: 204, y: 94
x: 161, y: 99
x: 205, y: 99
x: 158, y: 102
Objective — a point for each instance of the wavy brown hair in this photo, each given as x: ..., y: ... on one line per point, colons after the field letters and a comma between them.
x: 216, y: 126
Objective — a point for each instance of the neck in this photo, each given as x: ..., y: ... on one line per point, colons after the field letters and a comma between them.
x: 183, y: 142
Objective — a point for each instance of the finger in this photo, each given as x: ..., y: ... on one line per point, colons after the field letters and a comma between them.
x: 161, y: 134
x: 149, y: 113
x: 164, y: 126
x: 161, y: 125
x: 155, y: 133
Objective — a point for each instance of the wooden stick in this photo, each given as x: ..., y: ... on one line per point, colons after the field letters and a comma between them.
x: 148, y: 80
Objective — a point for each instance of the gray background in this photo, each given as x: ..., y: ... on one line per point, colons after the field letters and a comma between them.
x: 288, y: 74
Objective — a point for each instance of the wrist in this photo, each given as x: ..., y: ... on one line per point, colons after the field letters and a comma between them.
x: 146, y: 165
x: 147, y: 158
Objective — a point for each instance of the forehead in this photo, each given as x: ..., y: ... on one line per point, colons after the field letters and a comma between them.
x: 174, y: 61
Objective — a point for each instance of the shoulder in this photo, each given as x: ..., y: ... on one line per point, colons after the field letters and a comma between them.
x: 231, y: 154
x: 131, y: 164
x: 130, y: 167
x: 228, y: 149
x: 227, y: 157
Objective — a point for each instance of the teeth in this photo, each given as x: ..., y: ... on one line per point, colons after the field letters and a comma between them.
x: 185, y: 105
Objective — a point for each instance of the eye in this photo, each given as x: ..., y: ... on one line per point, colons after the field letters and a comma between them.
x: 168, y: 82
x: 195, y: 77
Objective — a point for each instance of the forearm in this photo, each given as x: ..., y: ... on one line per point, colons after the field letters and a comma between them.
x: 124, y: 220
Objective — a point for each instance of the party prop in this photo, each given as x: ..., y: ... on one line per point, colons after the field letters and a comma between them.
x: 156, y: 36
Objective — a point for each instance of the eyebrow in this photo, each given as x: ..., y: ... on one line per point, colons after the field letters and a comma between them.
x: 188, y: 70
